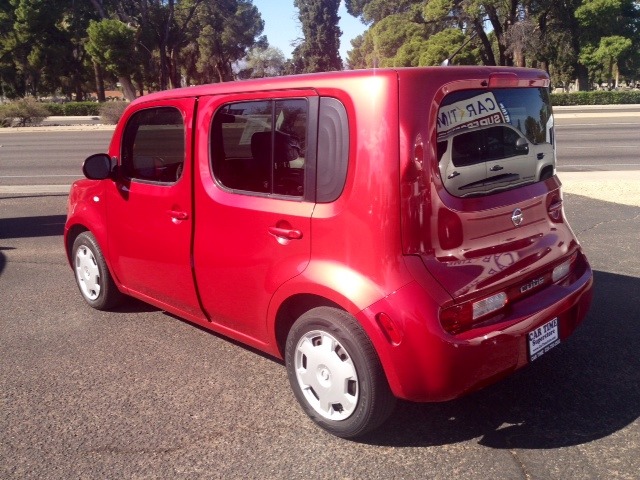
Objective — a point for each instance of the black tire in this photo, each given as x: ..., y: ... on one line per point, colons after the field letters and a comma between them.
x: 546, y: 173
x: 367, y: 400
x: 92, y: 274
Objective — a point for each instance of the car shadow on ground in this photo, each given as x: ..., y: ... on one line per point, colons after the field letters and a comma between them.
x: 29, y: 227
x: 584, y: 390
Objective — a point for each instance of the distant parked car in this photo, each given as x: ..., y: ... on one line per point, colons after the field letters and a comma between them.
x: 492, y: 159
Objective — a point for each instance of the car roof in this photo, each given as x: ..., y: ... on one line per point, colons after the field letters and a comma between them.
x: 333, y: 79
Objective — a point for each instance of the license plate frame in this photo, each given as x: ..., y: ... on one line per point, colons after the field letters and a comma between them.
x: 542, y: 339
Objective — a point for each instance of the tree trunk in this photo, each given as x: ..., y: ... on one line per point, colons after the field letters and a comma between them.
x: 79, y: 94
x: 224, y: 72
x: 128, y: 89
x: 582, y: 82
x: 99, y: 82
x: 486, y: 52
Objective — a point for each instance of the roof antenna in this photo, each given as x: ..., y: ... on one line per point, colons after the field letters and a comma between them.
x: 447, y: 61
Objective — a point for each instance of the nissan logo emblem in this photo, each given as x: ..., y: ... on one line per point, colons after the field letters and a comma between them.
x: 517, y: 217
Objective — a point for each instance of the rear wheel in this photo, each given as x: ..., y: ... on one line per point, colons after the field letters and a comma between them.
x: 92, y: 275
x: 335, y: 373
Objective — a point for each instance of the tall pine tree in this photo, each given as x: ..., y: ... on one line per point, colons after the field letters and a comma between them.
x: 318, y: 51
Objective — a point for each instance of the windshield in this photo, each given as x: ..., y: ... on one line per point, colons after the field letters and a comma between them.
x: 494, y: 140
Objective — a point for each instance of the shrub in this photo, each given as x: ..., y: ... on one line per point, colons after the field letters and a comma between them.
x: 27, y: 111
x: 6, y: 117
x: 54, y: 108
x: 81, y: 108
x: 110, y: 112
x: 600, y: 97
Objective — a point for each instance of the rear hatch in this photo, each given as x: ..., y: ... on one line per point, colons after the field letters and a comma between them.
x: 497, y: 231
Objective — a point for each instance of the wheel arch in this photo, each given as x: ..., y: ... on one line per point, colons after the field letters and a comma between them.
x: 72, y: 231
x: 546, y: 172
x: 321, y: 284
x: 70, y: 237
x: 293, y: 308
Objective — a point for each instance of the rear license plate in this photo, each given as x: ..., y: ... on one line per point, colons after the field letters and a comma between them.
x: 543, y: 339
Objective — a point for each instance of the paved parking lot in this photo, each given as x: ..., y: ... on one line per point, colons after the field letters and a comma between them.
x: 137, y: 393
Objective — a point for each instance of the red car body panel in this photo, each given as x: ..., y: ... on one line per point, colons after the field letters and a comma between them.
x: 395, y: 241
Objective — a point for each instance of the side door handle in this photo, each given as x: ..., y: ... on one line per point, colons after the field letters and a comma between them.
x: 285, y: 233
x: 496, y: 168
x: 178, y: 214
x: 454, y: 174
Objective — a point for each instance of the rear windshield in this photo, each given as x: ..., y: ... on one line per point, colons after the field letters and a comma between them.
x: 495, y: 140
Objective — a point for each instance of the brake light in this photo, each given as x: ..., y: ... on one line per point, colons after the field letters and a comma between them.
x: 467, y: 315
x: 503, y: 80
x: 462, y: 317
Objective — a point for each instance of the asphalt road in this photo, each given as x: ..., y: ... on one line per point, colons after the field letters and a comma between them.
x: 47, y: 157
x: 598, y: 143
x: 138, y: 393
x: 587, y: 139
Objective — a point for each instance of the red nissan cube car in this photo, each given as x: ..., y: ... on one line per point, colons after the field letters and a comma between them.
x: 390, y: 234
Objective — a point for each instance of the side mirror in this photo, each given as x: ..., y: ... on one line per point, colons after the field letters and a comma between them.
x: 522, y: 145
x: 97, y: 167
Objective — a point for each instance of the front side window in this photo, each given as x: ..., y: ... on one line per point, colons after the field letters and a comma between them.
x: 494, y: 140
x: 153, y: 146
x: 259, y: 146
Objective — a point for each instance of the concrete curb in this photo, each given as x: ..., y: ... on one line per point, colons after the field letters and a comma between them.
x: 34, y: 189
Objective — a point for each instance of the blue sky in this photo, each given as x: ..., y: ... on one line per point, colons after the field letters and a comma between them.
x: 282, y: 27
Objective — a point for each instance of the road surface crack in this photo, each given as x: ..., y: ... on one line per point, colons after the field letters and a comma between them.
x: 607, y: 222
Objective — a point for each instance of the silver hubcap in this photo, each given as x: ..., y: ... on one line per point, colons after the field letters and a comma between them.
x: 326, y: 375
x: 88, y: 273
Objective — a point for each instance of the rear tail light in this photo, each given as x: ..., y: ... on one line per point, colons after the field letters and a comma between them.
x: 489, y: 305
x: 465, y: 316
x: 555, y: 210
x: 563, y: 270
x: 462, y: 317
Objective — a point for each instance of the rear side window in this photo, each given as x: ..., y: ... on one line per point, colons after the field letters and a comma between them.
x: 508, y: 131
x: 153, y: 147
x: 260, y: 146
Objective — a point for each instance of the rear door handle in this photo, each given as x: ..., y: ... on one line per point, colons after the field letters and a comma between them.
x: 540, y: 156
x: 286, y: 233
x: 453, y: 175
x: 495, y: 168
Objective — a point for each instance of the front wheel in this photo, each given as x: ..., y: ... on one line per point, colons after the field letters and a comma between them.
x: 335, y: 373
x: 92, y: 274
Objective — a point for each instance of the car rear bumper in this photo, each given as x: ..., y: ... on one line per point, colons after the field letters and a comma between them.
x: 431, y: 365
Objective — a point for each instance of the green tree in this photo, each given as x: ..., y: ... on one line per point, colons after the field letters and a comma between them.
x: 226, y: 30
x: 606, y: 57
x: 319, y: 50
x: 372, y: 11
x: 112, y: 44
x: 264, y: 62
x: 610, y: 37
x: 404, y: 38
x: 437, y: 48
x: 12, y: 84
x: 42, y: 41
